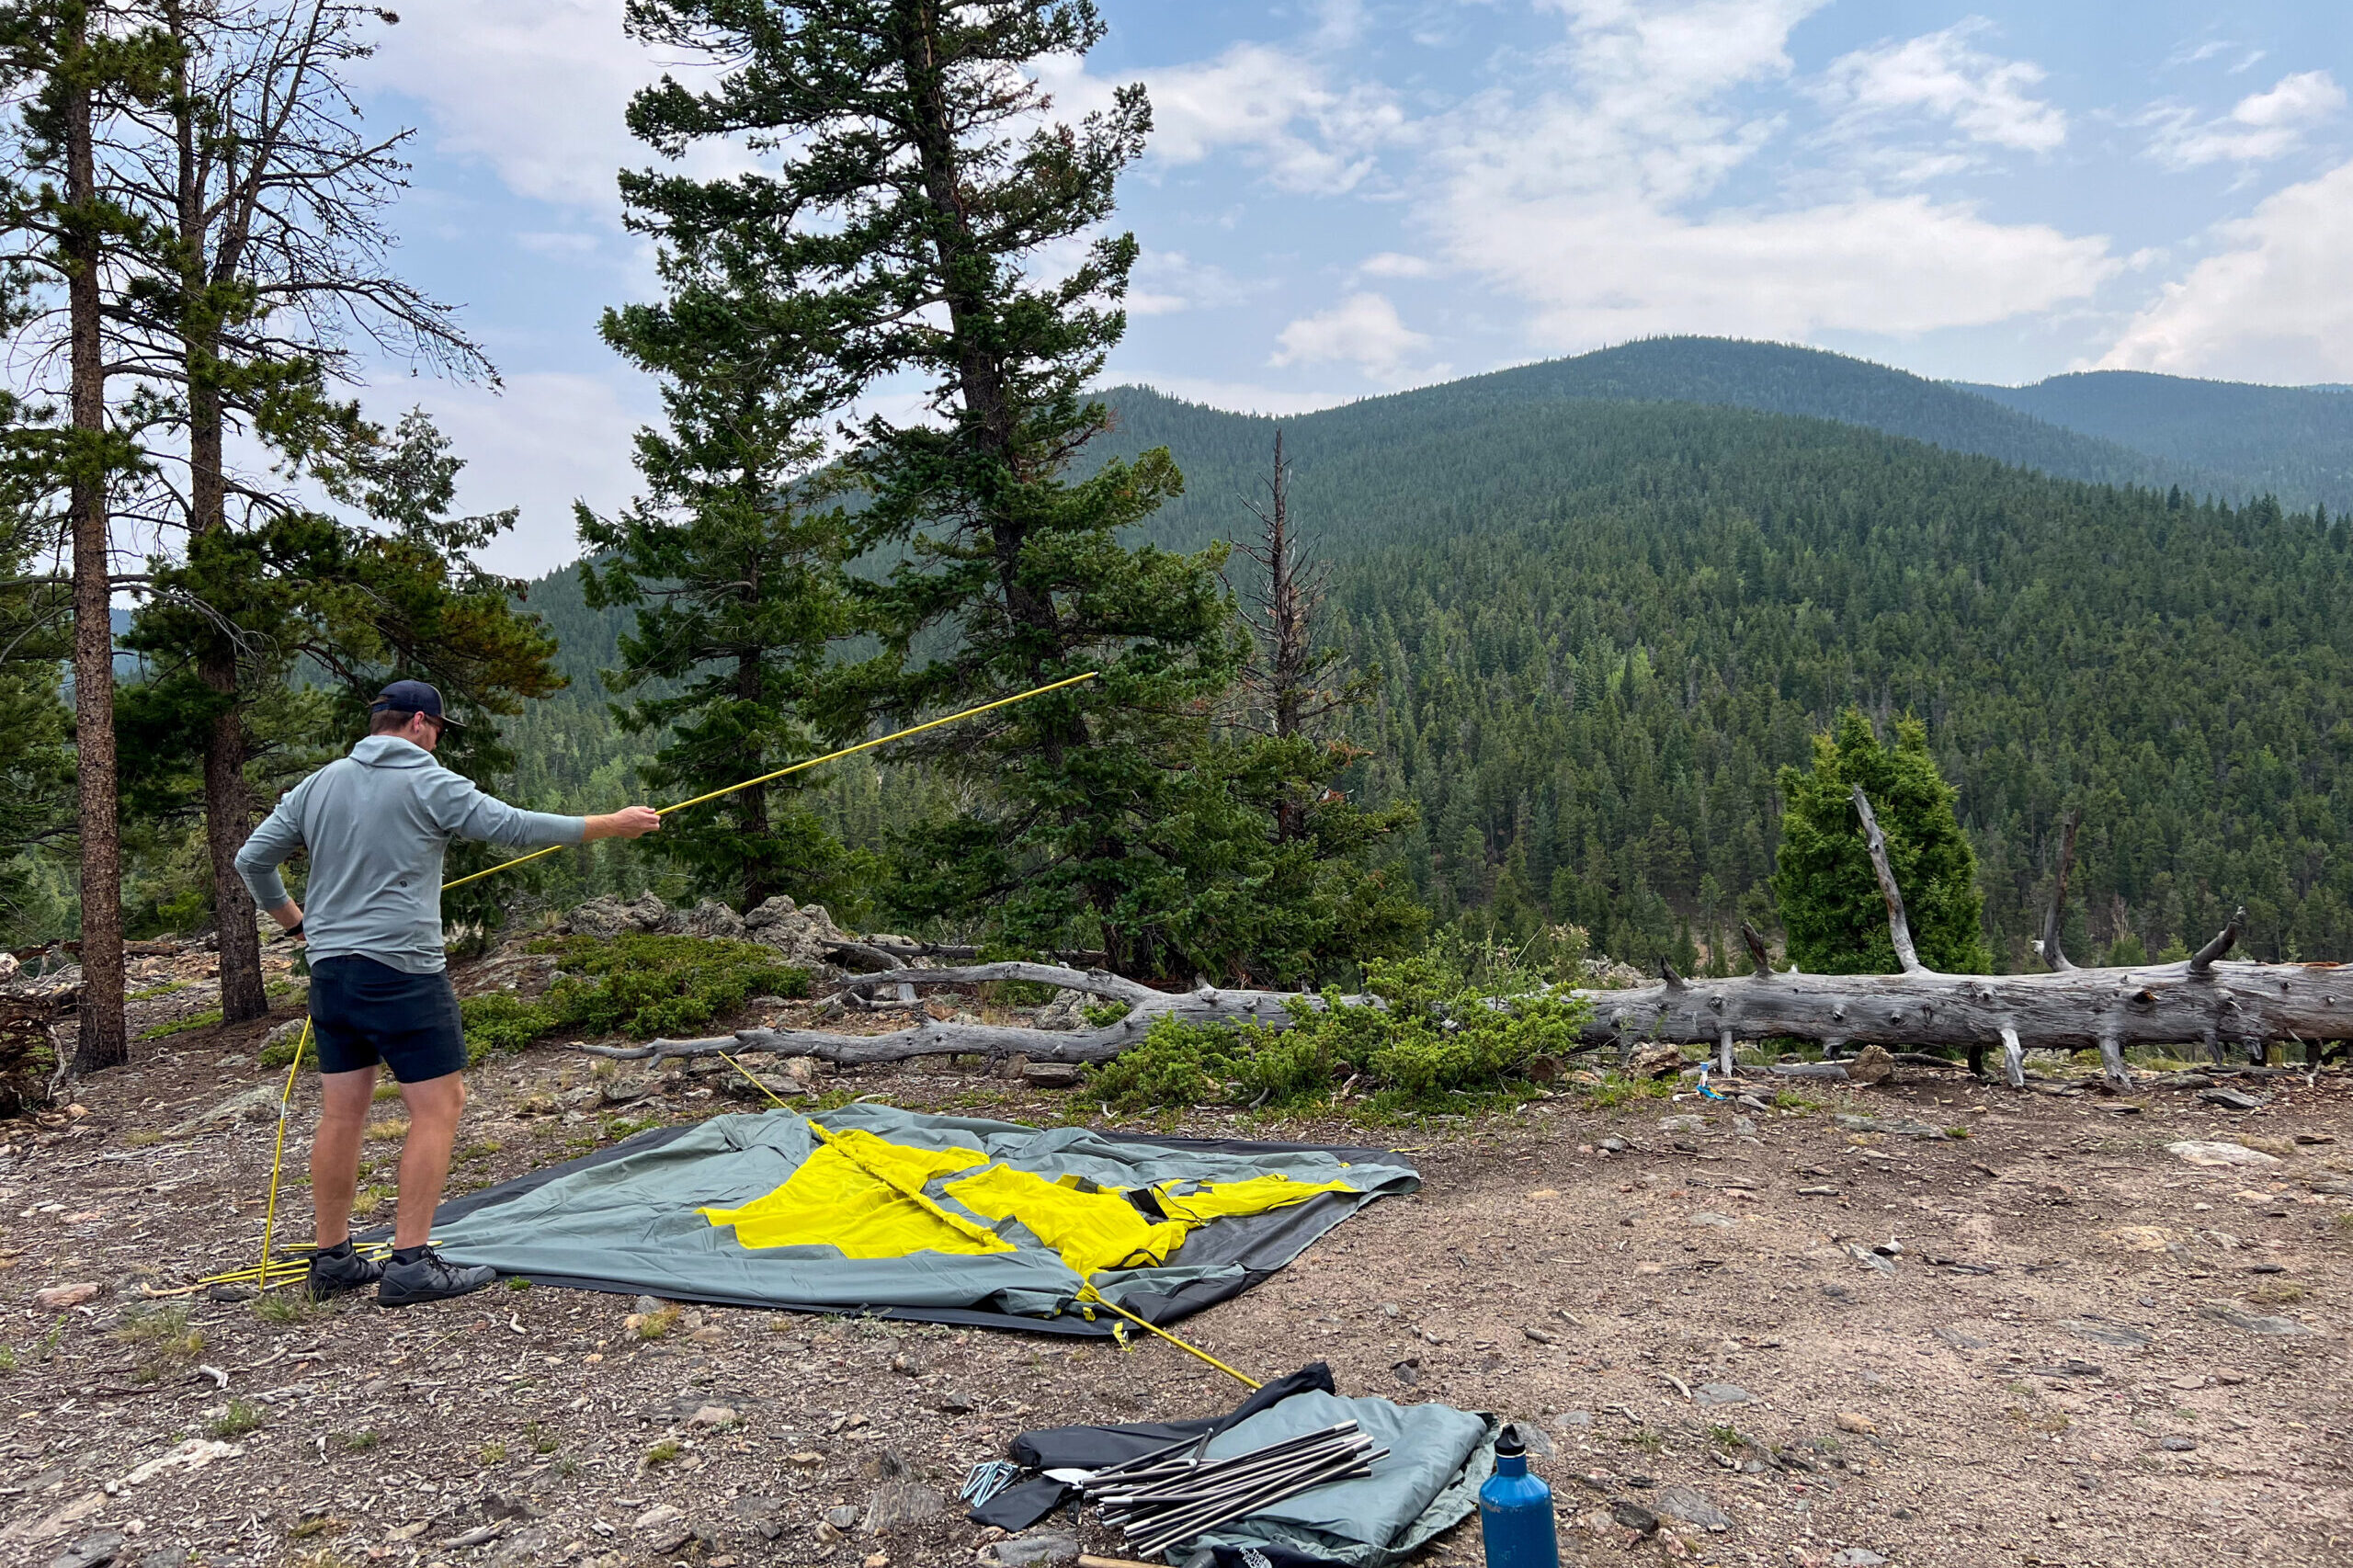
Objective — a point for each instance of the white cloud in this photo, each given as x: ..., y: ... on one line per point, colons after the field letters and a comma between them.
x: 559, y: 243
x: 2271, y: 307
x: 1362, y: 330
x: 1588, y: 203
x: 534, y: 90
x: 1394, y: 263
x: 551, y: 440
x: 1167, y: 281
x: 2260, y: 126
x: 1279, y: 108
x: 1945, y: 76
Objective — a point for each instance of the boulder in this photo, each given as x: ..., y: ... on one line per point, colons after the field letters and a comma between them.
x: 1066, y: 1011
x: 712, y: 918
x: 801, y: 933
x: 1871, y: 1064
x: 1656, y: 1061
x: 609, y: 916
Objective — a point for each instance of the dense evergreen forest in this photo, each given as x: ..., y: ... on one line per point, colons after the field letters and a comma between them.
x: 2295, y: 443
x: 1603, y: 627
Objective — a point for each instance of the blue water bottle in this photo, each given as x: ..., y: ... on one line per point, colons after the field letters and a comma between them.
x: 1516, y: 1511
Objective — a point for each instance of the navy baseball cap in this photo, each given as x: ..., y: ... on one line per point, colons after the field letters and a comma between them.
x: 412, y: 697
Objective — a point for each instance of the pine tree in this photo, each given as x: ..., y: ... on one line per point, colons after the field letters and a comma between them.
x: 1829, y: 896
x: 78, y: 65
x: 905, y: 210
x: 733, y: 560
x: 264, y: 197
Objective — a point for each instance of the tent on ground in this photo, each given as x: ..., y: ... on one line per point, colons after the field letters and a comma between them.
x: 878, y: 1210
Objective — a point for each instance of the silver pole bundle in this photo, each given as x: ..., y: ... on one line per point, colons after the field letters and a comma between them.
x: 1172, y: 1494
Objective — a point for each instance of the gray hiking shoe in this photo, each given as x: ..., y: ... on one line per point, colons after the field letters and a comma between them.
x: 339, y: 1271
x: 429, y: 1277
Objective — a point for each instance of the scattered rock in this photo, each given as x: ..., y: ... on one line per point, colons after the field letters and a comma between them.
x: 193, y: 1454
x: 1848, y: 1421
x: 2256, y: 1323
x: 609, y: 916
x: 713, y: 1415
x: 1856, y: 1557
x: 1900, y: 1129
x: 1633, y: 1515
x: 92, y: 1551
x: 1872, y: 1065
x: 1715, y: 1222
x: 1531, y: 1433
x: 1719, y: 1394
x: 2217, y: 1155
x: 2141, y: 1238
x: 256, y: 1104
x: 953, y: 1403
x: 2179, y: 1445
x: 1958, y: 1339
x: 2233, y: 1099
x: 1692, y: 1507
x: 1683, y: 1124
x: 900, y: 1502
x: 841, y: 1516
x: 665, y: 1527
x: 1030, y: 1550
x: 1538, y: 1334
x: 57, y: 1297
x: 2098, y: 1333
x: 1052, y: 1074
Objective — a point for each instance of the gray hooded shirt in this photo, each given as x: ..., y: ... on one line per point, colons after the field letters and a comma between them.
x: 376, y: 823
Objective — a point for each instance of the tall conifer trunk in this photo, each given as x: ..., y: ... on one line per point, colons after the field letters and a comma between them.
x: 104, y: 1039
x: 227, y: 806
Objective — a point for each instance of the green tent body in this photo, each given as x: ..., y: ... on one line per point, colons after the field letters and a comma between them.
x: 876, y: 1210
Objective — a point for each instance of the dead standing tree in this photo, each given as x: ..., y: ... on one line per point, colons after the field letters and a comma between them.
x: 267, y: 197
x: 2201, y: 1000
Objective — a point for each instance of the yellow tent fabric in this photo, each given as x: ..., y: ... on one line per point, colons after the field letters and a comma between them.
x: 1092, y: 1230
x: 1217, y: 1200
x: 865, y: 1196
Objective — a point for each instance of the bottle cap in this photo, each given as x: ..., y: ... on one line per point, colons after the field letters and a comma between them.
x: 1510, y: 1441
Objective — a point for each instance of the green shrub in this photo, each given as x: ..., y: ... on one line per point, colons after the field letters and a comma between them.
x: 500, y: 1020
x: 1438, y: 1037
x: 638, y: 986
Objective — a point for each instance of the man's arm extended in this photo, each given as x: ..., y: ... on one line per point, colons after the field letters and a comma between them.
x: 630, y: 822
x: 278, y: 837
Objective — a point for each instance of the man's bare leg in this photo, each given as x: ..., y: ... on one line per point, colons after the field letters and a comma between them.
x: 335, y: 1150
x: 434, y: 1106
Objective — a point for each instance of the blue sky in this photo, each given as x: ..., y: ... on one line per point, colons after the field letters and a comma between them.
x: 1348, y: 198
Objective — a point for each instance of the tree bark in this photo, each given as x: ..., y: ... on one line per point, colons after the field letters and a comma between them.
x: 228, y: 807
x: 104, y: 1037
x: 2083, y: 1009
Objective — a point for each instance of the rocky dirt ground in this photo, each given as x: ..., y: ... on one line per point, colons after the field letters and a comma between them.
x: 1754, y: 1338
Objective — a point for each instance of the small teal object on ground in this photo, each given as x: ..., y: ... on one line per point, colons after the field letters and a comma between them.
x: 1516, y: 1511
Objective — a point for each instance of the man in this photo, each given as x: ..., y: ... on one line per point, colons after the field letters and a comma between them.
x: 376, y: 824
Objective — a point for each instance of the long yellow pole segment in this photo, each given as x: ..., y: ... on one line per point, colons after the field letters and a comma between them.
x: 796, y: 767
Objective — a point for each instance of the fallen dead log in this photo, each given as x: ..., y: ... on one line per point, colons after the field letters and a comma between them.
x: 2202, y: 1001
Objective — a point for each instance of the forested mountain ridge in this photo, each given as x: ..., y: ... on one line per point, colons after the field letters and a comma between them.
x: 1780, y: 378
x: 2295, y: 443
x: 1602, y: 627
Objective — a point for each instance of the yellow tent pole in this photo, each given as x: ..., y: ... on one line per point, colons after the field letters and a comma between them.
x: 796, y: 767
x: 278, y: 1158
x: 1088, y: 1292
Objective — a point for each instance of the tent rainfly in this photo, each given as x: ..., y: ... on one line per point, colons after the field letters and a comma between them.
x: 892, y: 1213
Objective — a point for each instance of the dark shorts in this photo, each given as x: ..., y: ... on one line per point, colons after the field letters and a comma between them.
x: 363, y: 1012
